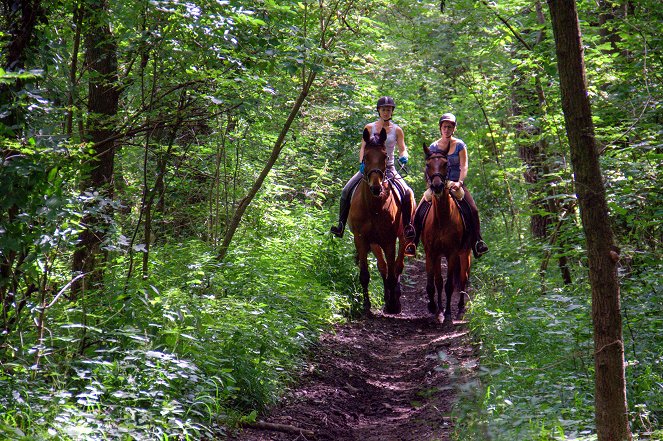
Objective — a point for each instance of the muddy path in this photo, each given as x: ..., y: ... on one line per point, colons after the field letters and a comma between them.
x: 386, y: 378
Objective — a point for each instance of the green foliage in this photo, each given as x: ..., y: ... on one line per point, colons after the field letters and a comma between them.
x: 536, y: 369
x: 193, y: 345
x: 39, y: 222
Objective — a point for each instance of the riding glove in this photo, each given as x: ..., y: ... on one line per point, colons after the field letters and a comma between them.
x: 361, y: 167
x: 403, y: 160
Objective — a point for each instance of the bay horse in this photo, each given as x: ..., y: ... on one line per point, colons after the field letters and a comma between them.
x: 443, y: 235
x: 375, y: 220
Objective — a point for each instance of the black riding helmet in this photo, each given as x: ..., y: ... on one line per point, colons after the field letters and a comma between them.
x: 385, y: 101
x: 448, y: 117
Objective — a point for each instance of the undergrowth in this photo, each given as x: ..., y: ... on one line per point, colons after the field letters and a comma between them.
x: 536, y: 376
x: 196, y: 347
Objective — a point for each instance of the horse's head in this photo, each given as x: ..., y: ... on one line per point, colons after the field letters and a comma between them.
x: 436, y: 170
x: 375, y: 160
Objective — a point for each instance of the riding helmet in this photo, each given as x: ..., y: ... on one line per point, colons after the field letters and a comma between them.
x: 386, y: 101
x: 448, y: 117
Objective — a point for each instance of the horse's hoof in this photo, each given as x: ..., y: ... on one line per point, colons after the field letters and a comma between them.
x: 432, y: 308
x: 367, y: 310
x: 393, y: 309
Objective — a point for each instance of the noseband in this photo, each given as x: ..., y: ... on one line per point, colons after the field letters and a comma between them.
x: 379, y: 171
x: 367, y: 176
x: 442, y: 177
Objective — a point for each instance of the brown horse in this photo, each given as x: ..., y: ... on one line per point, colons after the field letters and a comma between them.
x: 375, y: 220
x: 442, y: 235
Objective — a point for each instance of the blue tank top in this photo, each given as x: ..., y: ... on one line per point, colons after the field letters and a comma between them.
x: 453, y: 170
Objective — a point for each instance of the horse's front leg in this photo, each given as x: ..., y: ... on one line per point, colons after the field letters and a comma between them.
x: 439, y: 285
x: 453, y: 268
x: 433, y: 273
x: 392, y: 290
x: 364, y: 275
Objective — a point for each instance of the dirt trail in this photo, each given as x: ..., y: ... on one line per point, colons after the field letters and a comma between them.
x: 386, y: 378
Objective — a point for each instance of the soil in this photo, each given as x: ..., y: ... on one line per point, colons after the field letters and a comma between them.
x: 383, y: 378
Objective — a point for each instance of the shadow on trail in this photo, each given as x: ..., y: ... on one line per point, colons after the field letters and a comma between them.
x: 386, y: 378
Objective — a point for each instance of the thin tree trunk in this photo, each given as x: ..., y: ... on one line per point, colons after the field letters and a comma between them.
x: 23, y: 17
x: 610, y: 385
x: 276, y: 150
x: 72, y: 94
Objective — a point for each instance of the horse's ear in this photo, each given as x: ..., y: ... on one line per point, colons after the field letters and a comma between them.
x: 383, y: 135
x: 366, y: 135
x: 426, y: 150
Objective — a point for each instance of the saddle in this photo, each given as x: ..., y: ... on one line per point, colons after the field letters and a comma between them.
x: 463, y: 208
x: 396, y: 190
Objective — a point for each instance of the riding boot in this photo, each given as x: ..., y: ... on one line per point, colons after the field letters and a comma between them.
x: 479, y: 247
x: 344, y: 211
x: 408, y: 230
x: 407, y: 216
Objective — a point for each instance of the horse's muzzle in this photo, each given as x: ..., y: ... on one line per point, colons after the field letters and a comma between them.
x: 376, y: 190
x: 437, y: 186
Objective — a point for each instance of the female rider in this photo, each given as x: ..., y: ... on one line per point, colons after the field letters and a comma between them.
x: 395, y: 137
x: 456, y: 151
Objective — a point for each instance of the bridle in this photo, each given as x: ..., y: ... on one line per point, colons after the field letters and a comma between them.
x: 429, y: 178
x: 381, y: 172
x: 367, y: 176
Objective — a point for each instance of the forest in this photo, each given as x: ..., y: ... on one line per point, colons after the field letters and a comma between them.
x: 171, y: 170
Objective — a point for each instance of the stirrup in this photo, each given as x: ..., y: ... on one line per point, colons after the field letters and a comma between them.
x: 410, y: 249
x: 409, y: 232
x: 480, y: 248
x: 337, y: 230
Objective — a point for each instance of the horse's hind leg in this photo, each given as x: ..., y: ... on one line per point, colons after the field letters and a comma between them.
x: 382, y: 263
x: 463, y: 277
x: 382, y: 268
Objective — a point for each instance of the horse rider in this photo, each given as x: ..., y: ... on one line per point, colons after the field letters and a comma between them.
x: 456, y: 151
x: 395, y: 137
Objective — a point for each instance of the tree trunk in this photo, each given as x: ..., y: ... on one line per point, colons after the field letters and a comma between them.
x: 21, y: 19
x: 101, y: 61
x: 276, y: 150
x: 610, y: 386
